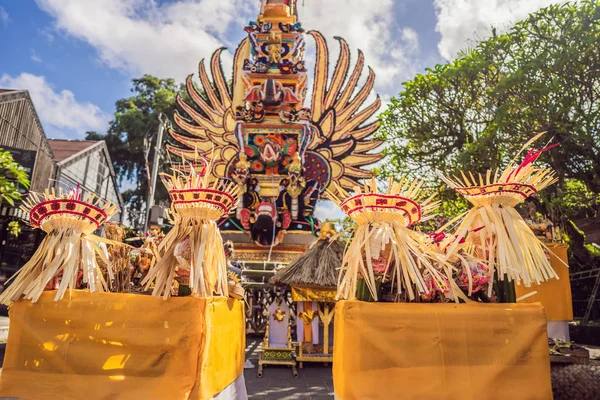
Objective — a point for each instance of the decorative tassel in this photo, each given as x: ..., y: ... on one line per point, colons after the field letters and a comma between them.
x: 383, y: 244
x: 496, y: 230
x: 69, y: 247
x: 196, y: 206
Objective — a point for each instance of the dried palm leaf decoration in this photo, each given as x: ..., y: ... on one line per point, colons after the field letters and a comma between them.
x: 382, y: 241
x: 69, y: 219
x: 196, y: 205
x: 318, y: 266
x: 497, y: 231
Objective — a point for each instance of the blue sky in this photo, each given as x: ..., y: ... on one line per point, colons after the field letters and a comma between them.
x: 36, y: 45
x: 33, y: 45
x: 77, y: 57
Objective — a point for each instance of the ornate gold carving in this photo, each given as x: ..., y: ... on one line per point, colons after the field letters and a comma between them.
x: 274, y: 48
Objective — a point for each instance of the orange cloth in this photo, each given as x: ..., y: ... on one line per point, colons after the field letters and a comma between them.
x: 440, y: 351
x: 555, y: 294
x: 122, y: 346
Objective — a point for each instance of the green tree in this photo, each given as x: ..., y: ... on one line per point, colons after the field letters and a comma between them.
x: 135, y: 125
x: 475, y: 112
x: 11, y: 175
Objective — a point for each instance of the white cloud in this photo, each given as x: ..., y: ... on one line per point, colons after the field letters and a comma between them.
x: 4, y: 17
x: 371, y: 27
x: 60, y: 112
x: 139, y: 36
x: 169, y: 39
x: 34, y: 56
x: 460, y: 22
x: 327, y: 210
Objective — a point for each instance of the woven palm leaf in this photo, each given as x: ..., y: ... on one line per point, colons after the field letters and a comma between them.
x: 319, y: 266
x: 69, y: 248
x: 496, y: 230
x: 197, y: 203
x: 383, y: 232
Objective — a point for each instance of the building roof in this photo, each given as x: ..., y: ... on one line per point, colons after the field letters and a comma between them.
x: 63, y: 149
x: 68, y: 152
x: 7, y: 95
x: 317, y: 267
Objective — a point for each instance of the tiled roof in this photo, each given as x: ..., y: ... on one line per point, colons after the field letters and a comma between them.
x: 63, y: 149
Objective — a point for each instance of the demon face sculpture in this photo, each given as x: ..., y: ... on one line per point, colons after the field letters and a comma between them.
x: 267, y: 219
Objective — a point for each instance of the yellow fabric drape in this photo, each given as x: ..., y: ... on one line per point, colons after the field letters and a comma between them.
x: 224, y: 355
x: 121, y: 346
x: 308, y: 313
x: 303, y: 293
x: 440, y: 351
x: 555, y: 294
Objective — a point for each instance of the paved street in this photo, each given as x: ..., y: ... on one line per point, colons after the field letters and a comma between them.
x: 315, y: 380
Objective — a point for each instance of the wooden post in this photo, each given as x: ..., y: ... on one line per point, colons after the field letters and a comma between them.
x: 326, y: 316
x: 325, y: 331
x: 308, y: 325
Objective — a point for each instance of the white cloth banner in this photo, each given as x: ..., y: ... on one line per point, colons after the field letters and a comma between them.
x: 299, y: 323
x: 559, y: 330
x: 278, y: 330
x: 235, y: 391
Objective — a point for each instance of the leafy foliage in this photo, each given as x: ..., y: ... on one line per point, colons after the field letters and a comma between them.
x: 14, y: 228
x: 11, y: 174
x: 475, y: 113
x: 574, y: 199
x: 135, y: 125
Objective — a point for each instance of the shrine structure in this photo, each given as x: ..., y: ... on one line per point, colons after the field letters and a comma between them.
x: 260, y: 134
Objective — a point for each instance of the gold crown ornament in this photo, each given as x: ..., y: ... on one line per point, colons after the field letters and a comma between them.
x: 69, y: 219
x: 327, y: 230
x: 197, y: 204
x: 495, y: 229
x: 383, y: 246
